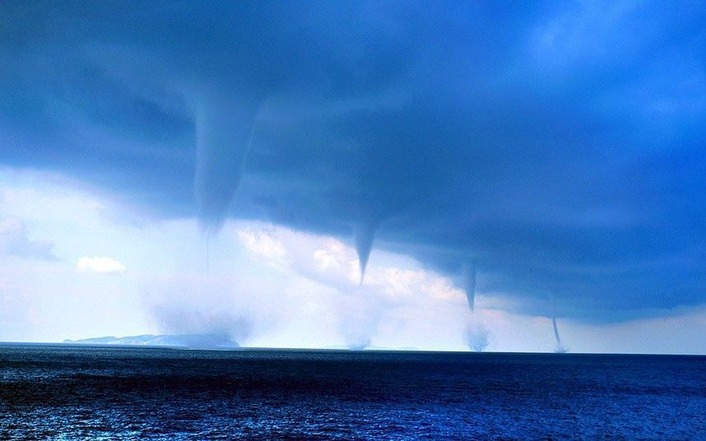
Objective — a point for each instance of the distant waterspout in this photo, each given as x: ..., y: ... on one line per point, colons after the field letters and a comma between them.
x: 469, y: 276
x: 559, y: 346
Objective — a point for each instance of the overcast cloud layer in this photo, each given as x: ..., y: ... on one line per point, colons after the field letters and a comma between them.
x: 557, y: 147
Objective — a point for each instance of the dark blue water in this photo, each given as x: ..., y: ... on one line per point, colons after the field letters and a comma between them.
x: 65, y: 392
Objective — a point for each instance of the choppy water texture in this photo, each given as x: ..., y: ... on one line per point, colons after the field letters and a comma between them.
x: 66, y: 392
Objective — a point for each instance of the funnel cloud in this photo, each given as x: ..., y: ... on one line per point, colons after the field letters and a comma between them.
x: 469, y: 275
x: 224, y: 131
x: 364, y: 237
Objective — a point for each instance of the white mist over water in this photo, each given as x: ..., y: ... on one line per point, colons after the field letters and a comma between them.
x: 358, y: 318
x: 476, y: 334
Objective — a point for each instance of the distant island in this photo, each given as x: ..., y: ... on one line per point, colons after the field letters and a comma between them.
x: 189, y: 341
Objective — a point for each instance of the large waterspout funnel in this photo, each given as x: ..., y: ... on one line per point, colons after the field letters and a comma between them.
x: 364, y: 237
x: 223, y: 134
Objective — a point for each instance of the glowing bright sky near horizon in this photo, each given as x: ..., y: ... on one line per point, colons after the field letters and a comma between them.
x: 557, y: 146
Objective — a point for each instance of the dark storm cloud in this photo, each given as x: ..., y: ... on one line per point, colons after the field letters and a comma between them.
x: 557, y: 146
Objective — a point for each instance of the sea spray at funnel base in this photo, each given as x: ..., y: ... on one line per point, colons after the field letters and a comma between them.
x: 475, y: 334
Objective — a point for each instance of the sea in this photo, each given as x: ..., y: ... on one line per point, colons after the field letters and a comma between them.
x: 78, y: 392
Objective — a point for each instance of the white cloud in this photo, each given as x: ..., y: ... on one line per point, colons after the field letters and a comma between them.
x: 99, y: 265
x: 397, y: 290
x: 14, y: 241
x: 262, y: 243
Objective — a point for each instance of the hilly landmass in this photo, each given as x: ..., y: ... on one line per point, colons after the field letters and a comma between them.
x: 191, y: 341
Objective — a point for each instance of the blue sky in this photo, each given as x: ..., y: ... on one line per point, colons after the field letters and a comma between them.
x: 557, y: 148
